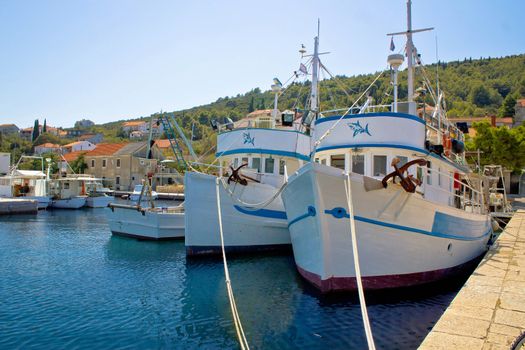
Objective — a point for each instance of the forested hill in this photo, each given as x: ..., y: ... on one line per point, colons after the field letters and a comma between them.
x: 472, y: 87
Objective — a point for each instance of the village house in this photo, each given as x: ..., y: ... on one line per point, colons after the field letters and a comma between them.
x: 7, y: 129
x: 47, y: 147
x: 121, y: 166
x: 78, y: 146
x: 140, y: 129
x: 494, y: 122
x: 93, y: 138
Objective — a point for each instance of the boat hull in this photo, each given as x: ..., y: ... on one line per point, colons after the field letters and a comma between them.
x: 403, y: 239
x: 244, y: 230
x: 43, y: 201
x: 69, y: 203
x: 99, y: 201
x: 146, y: 224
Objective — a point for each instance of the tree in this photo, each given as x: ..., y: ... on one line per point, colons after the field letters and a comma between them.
x: 36, y: 131
x: 507, y: 108
x: 44, y: 127
x: 79, y: 164
x: 480, y: 96
x: 500, y: 145
x: 251, y: 107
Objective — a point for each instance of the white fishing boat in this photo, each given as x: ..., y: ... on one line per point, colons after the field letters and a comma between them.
x: 68, y: 192
x: 428, y: 225
x: 253, y: 217
x: 146, y: 195
x: 26, y: 184
x: 158, y: 223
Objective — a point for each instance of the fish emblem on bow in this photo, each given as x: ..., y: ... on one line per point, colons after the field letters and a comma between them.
x: 248, y: 139
x: 358, y: 129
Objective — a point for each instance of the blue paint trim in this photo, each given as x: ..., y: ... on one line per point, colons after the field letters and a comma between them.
x: 279, y: 130
x: 391, y: 145
x: 310, y: 212
x: 263, y: 151
x: 368, y: 115
x: 339, y: 213
x: 265, y: 213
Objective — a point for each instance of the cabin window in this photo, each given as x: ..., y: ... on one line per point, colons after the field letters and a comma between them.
x: 256, y: 164
x: 235, y: 162
x: 379, y: 165
x: 402, y: 161
x: 323, y: 161
x: 429, y: 173
x: 117, y: 180
x: 66, y: 185
x: 92, y: 163
x: 268, y: 165
x: 118, y: 162
x: 358, y: 164
x: 338, y: 161
x: 281, y: 167
x: 244, y: 160
x: 317, y: 160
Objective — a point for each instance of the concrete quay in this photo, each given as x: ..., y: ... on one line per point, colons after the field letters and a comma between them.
x: 489, y: 311
x: 10, y: 206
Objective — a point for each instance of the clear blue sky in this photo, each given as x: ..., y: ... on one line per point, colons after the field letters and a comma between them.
x: 118, y: 59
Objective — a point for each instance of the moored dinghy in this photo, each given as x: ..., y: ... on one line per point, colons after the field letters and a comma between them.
x: 418, y: 222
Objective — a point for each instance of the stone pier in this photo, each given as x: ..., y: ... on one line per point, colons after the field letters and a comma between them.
x: 489, y: 311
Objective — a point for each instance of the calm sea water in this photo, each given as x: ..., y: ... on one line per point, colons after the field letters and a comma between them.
x: 67, y: 283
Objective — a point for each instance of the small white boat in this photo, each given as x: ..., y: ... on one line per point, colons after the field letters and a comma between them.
x: 146, y: 223
x: 100, y: 200
x: 97, y: 194
x: 134, y: 197
x: 68, y: 192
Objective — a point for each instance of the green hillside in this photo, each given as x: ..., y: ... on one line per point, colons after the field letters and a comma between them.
x: 472, y: 87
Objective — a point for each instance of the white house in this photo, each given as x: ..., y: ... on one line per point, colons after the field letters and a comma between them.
x: 78, y: 146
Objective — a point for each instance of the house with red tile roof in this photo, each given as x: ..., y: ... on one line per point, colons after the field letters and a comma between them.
x: 121, y: 166
x: 47, y: 147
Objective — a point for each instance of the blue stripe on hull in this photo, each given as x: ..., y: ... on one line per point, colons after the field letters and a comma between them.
x: 265, y: 213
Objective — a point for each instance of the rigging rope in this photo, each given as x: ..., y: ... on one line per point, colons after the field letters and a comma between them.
x: 327, y: 132
x: 253, y: 206
x: 362, y: 302
x: 236, y: 319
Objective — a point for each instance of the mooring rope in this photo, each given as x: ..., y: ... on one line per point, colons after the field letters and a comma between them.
x: 253, y: 206
x: 236, y: 319
x: 362, y: 302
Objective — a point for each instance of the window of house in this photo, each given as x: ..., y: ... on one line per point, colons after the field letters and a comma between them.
x: 117, y: 180
x: 429, y: 173
x: 439, y: 177
x: 268, y: 165
x: 281, y: 167
x: 92, y: 163
x: 118, y: 162
x: 379, y: 166
x: 104, y: 161
x: 256, y: 164
x: 358, y: 164
x: 338, y: 161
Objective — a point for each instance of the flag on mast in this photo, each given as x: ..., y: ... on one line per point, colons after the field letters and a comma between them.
x: 302, y: 69
x: 392, y: 46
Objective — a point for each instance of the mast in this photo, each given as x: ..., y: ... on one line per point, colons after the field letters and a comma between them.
x: 410, y: 55
x: 315, y: 77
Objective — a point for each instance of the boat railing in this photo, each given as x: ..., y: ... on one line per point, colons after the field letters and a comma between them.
x: 356, y: 110
x: 465, y: 196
